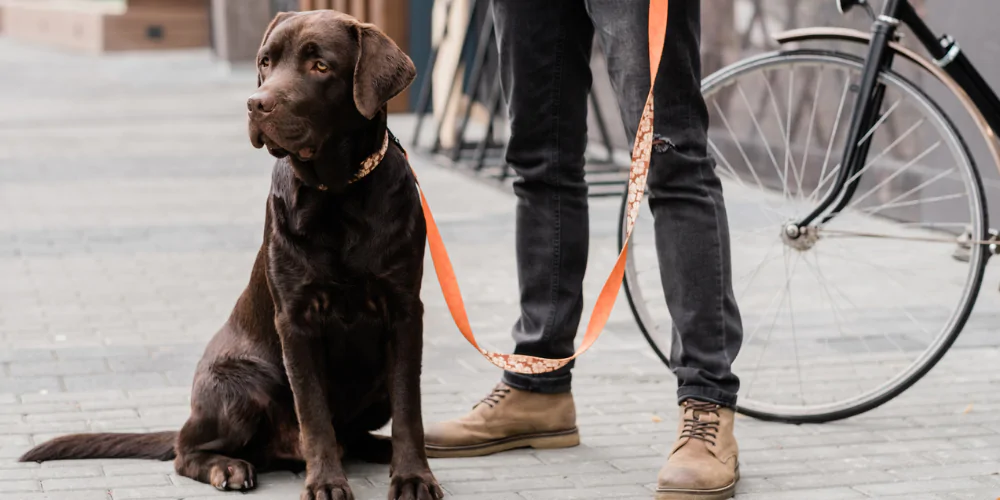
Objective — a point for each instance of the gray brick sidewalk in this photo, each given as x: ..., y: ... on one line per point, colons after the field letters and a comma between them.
x: 131, y: 205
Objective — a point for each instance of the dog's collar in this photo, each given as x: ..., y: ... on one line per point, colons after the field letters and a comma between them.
x: 372, y: 161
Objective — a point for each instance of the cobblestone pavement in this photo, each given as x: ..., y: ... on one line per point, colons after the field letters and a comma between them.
x: 131, y: 205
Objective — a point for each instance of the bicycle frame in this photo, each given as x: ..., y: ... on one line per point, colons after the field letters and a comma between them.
x: 947, y: 55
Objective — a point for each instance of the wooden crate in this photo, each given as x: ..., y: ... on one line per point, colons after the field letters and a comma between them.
x: 166, y: 4
x: 104, y: 27
x: 391, y: 16
x: 157, y: 28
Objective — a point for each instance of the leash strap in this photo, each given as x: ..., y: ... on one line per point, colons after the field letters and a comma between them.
x: 519, y: 363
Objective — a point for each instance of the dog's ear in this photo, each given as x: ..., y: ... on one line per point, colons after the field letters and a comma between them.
x: 383, y: 70
x: 278, y: 19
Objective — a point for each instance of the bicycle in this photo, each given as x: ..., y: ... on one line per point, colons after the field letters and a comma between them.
x: 905, y: 188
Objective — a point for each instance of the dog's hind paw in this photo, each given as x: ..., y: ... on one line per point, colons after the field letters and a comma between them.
x: 233, y: 475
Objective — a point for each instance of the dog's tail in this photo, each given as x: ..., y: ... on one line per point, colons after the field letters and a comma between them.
x: 155, y: 445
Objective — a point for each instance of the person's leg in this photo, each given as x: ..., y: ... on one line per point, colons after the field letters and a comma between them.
x: 545, y: 76
x: 544, y: 48
x: 685, y: 194
x: 692, y: 240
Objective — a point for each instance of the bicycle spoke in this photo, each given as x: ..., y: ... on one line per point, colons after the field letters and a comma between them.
x: 838, y: 312
x: 777, y: 296
x: 789, y: 158
x: 922, y: 185
x: 782, y: 129
x: 725, y: 162
x: 822, y: 182
x: 833, y: 135
x: 933, y: 224
x: 812, y: 121
x: 895, y: 174
x: 891, y: 304
x: 913, y: 202
x: 795, y: 340
x: 749, y: 232
x: 774, y: 321
x: 766, y: 260
x: 879, y: 122
x: 835, y: 310
x: 851, y: 260
x: 840, y: 292
x: 886, y: 151
x: 763, y: 138
x: 739, y: 146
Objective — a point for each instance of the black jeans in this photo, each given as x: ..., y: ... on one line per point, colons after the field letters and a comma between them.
x: 545, y: 50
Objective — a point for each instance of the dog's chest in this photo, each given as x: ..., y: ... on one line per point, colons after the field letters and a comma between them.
x: 331, y: 275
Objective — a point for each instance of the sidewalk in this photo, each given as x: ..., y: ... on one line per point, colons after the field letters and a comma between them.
x: 132, y: 206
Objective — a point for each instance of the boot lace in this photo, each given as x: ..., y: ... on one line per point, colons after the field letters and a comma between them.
x: 697, y: 429
x: 499, y: 392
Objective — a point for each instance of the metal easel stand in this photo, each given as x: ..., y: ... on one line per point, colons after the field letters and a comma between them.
x: 482, y: 156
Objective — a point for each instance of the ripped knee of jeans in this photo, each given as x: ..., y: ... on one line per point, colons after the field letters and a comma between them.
x: 662, y: 144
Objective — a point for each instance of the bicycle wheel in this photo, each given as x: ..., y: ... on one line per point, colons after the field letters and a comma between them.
x: 847, y: 317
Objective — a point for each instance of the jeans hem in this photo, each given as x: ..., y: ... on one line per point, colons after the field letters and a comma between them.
x: 539, y: 384
x: 708, y: 395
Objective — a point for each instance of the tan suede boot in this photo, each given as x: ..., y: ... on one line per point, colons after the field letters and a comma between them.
x: 506, y: 419
x: 703, y: 463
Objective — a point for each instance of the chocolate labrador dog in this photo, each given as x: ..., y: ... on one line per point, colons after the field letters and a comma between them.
x: 324, y: 345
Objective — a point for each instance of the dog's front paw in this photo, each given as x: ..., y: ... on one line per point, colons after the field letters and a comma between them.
x: 419, y: 485
x: 332, y: 489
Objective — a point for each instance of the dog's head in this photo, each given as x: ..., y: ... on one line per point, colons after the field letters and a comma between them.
x: 321, y: 74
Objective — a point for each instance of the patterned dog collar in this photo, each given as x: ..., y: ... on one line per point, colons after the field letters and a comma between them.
x: 372, y: 161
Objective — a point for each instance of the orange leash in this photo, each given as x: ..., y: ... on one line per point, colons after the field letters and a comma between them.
x: 519, y: 363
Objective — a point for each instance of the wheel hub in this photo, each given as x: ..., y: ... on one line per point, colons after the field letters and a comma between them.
x: 799, y: 238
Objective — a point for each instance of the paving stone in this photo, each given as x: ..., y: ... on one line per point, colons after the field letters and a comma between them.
x: 118, y: 381
x: 929, y: 496
x: 60, y: 495
x: 80, y: 415
x: 597, y: 492
x: 19, y: 485
x: 14, y: 440
x: 507, y: 495
x: 823, y: 480
x: 108, y: 482
x: 144, y: 467
x: 49, y: 473
x: 493, y: 462
x: 949, y: 471
x: 145, y: 492
x: 75, y: 396
x: 609, y: 479
x: 504, y: 473
x: 977, y: 494
x: 39, y: 408
x: 24, y: 385
x: 519, y: 485
x: 71, y: 367
x: 932, y: 486
x: 811, y: 494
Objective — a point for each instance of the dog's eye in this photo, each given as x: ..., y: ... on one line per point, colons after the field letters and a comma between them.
x: 322, y: 67
x: 265, y: 62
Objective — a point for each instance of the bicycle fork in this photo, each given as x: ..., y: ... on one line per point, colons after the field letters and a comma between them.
x: 865, y: 116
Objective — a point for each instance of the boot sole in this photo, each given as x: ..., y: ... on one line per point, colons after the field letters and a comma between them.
x: 543, y: 441
x: 724, y: 493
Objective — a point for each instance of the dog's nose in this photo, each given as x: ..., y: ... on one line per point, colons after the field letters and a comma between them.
x: 261, y: 101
